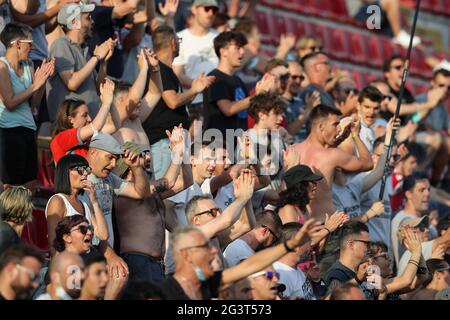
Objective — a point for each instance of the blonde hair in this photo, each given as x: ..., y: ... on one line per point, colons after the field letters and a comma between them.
x: 16, y: 204
x: 303, y: 42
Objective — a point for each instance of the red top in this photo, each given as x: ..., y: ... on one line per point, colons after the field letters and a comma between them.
x: 397, y: 194
x: 65, y: 141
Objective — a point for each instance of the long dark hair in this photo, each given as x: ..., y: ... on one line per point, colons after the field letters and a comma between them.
x: 62, y: 178
x: 64, y: 227
x: 68, y: 108
x: 296, y: 195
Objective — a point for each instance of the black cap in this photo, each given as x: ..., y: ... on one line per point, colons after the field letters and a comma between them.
x: 298, y: 174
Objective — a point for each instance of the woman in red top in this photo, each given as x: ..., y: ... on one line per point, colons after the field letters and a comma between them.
x: 74, y: 127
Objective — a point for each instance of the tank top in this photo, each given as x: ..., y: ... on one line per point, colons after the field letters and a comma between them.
x: 21, y: 116
x: 70, y: 211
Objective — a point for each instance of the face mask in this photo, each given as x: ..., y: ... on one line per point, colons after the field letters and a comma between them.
x: 61, y: 293
x: 200, y: 275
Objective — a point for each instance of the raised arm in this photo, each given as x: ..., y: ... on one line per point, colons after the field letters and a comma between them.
x: 264, y: 258
x: 98, y: 218
x: 243, y: 191
x: 155, y: 88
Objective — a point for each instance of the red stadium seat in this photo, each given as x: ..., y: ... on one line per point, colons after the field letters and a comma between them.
x: 340, y: 44
x: 35, y: 232
x: 375, y: 54
x: 262, y: 22
x: 358, y: 46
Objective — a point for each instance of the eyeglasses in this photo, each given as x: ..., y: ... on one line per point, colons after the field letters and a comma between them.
x: 389, y: 98
x: 82, y: 169
x: 144, y: 153
x: 83, y: 229
x: 214, y: 9
x: 268, y: 274
x: 213, y: 212
x: 316, y: 48
x: 381, y: 255
x: 275, y: 237
x: 354, y: 90
x: 296, y: 77
x: 33, y: 276
x: 30, y: 42
x: 285, y: 77
x: 207, y: 245
x: 398, y: 67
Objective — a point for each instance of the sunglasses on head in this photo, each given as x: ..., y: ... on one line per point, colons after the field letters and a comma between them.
x: 213, y: 212
x: 82, y: 169
x: 84, y: 229
x: 268, y: 274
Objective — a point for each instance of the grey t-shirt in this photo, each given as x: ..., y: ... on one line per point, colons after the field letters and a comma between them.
x: 427, y: 251
x: 70, y: 56
x: 348, y: 198
x: 105, y: 190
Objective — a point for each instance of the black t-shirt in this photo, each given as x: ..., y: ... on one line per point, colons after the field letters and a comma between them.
x: 210, y: 288
x: 407, y: 99
x: 106, y: 27
x: 162, y: 117
x: 225, y: 87
x: 340, y: 273
x: 8, y: 236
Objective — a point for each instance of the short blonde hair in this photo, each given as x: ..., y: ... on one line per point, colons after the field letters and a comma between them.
x: 17, y: 205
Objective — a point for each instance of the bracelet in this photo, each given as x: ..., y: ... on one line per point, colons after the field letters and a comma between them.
x: 98, y: 57
x: 287, y: 247
x: 414, y: 263
x: 329, y: 232
x: 367, y: 216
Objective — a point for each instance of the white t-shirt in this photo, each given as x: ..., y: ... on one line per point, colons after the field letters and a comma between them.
x: 427, y: 251
x: 237, y: 251
x: 348, y: 198
x: 197, y: 55
x: 297, y: 285
x: 379, y: 227
x: 367, y: 135
x: 397, y: 248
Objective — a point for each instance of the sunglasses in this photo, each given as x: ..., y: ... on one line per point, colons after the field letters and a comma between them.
x: 275, y: 237
x: 316, y: 48
x: 399, y: 67
x: 296, y: 77
x: 213, y: 212
x: 388, y: 98
x: 82, y: 169
x: 268, y: 274
x: 213, y: 9
x: 30, y: 42
x: 285, y: 77
x: 33, y: 276
x: 144, y: 153
x: 84, y: 229
x: 349, y: 90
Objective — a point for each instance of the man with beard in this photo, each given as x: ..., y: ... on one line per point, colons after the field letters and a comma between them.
x: 75, y: 74
x: 96, y: 278
x: 66, y: 277
x: 19, y: 272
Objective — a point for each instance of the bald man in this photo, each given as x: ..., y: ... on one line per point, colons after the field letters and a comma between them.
x: 66, y: 277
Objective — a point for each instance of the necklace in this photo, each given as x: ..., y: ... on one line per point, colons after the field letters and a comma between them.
x: 193, y: 295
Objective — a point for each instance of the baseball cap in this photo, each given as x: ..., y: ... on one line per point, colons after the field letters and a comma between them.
x: 71, y: 11
x: 206, y: 3
x: 130, y: 146
x: 106, y: 143
x: 299, y: 173
x: 413, y: 223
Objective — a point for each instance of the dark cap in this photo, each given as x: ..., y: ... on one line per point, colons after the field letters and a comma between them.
x: 299, y: 173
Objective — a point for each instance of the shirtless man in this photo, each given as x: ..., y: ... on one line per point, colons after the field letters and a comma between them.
x: 318, y: 152
x: 142, y: 223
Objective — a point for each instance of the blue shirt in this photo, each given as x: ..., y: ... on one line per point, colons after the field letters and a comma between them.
x: 437, y: 118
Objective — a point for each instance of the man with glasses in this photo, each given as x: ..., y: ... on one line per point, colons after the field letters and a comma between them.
x: 233, y: 222
x: 318, y: 70
x: 298, y: 110
x: 19, y: 272
x: 265, y: 284
x: 197, y: 54
x: 264, y: 235
x: 195, y: 277
x: 435, y: 122
x: 354, y: 245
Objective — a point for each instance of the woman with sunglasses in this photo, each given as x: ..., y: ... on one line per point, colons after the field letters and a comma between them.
x: 74, y: 126
x: 70, y: 183
x: 73, y: 234
x: 21, y: 91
